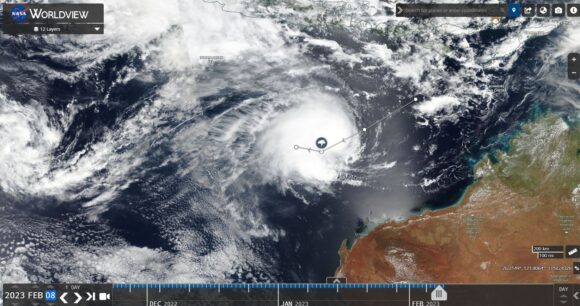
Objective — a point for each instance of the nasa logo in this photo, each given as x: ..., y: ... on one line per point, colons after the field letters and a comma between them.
x: 19, y: 13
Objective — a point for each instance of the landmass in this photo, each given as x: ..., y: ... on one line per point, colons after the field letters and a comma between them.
x: 526, y: 195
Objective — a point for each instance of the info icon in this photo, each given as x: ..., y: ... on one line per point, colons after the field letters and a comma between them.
x: 528, y: 10
x: 558, y: 10
x: 543, y: 10
x: 573, y: 10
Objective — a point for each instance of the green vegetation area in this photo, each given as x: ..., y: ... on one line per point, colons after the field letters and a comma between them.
x: 542, y: 159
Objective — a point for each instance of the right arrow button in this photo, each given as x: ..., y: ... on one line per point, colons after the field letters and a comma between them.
x: 79, y: 298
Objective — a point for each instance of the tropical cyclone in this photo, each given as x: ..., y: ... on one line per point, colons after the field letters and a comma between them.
x: 519, y: 199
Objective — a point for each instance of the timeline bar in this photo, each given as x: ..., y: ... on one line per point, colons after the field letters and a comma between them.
x: 286, y: 294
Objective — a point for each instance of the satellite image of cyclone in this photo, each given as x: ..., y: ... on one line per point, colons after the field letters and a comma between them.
x: 260, y: 140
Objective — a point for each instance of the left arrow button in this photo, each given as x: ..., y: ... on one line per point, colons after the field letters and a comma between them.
x: 62, y: 297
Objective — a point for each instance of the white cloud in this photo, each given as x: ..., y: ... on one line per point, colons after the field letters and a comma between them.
x: 28, y: 138
x: 314, y: 115
x: 436, y: 104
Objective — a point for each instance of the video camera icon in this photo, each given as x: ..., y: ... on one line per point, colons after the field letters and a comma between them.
x: 104, y: 296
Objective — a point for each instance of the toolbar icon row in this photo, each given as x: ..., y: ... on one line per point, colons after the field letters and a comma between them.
x: 553, y: 10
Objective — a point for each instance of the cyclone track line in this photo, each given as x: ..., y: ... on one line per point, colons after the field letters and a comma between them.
x: 364, y: 129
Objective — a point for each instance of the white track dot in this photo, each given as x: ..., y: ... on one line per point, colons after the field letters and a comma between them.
x: 296, y: 147
x: 364, y: 129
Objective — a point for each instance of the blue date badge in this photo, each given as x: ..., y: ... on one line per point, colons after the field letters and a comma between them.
x: 50, y: 295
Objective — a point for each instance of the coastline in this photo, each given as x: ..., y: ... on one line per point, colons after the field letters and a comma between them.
x: 435, y: 231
